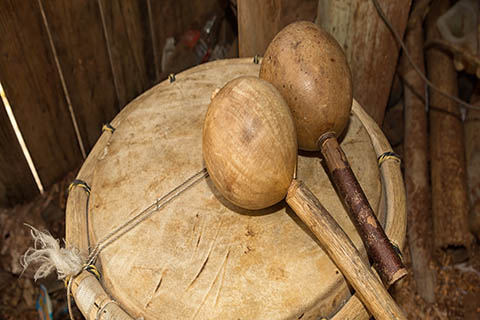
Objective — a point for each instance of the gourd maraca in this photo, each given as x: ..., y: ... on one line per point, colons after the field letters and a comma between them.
x: 250, y: 150
x: 310, y: 70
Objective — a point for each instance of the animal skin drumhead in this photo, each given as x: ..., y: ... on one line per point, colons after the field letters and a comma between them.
x: 200, y: 257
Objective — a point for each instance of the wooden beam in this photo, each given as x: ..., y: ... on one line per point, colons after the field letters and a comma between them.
x: 33, y: 87
x: 77, y: 32
x: 16, y: 180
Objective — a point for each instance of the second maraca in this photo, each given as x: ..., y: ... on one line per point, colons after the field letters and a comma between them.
x: 310, y: 70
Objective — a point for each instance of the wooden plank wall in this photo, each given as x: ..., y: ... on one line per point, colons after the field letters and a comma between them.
x: 67, y: 67
x: 16, y: 180
x: 77, y: 32
x: 33, y: 87
x: 127, y: 28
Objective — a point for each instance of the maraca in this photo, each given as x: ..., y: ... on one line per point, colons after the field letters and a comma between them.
x: 310, y: 70
x: 250, y: 150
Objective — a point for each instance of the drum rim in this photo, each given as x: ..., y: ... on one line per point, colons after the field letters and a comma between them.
x: 393, y: 192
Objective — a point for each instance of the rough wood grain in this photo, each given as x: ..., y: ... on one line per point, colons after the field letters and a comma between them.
x: 259, y: 21
x: 16, y: 180
x: 341, y: 250
x: 128, y: 35
x: 77, y: 32
x: 416, y: 162
x: 33, y: 87
x: 371, y: 49
x: 447, y: 146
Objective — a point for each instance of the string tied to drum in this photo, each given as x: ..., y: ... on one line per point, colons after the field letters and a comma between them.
x: 69, y: 262
x: 389, y: 155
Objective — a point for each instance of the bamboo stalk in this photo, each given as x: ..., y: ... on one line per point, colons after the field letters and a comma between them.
x: 416, y: 160
x: 448, y: 176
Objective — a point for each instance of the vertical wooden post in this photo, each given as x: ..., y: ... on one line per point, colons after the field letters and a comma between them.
x: 416, y: 160
x: 260, y: 21
x: 371, y: 49
x: 447, y: 149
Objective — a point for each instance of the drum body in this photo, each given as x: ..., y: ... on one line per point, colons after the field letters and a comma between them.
x: 200, y: 257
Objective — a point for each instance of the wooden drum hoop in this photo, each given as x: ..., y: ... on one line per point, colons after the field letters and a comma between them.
x: 89, y: 293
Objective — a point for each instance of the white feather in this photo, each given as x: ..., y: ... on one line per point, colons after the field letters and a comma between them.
x: 48, y: 255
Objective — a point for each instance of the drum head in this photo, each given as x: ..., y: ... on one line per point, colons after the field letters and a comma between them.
x: 200, y: 257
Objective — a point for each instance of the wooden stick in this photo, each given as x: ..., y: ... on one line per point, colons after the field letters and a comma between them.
x: 416, y: 160
x: 341, y: 250
x: 386, y: 261
x: 395, y: 225
x: 448, y: 177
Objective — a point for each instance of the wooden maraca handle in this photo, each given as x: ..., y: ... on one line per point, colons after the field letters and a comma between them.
x: 341, y: 250
x: 379, y: 248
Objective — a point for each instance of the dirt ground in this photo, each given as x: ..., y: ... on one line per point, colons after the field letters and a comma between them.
x: 457, y: 291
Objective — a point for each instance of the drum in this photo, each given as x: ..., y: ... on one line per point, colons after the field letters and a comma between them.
x: 198, y: 256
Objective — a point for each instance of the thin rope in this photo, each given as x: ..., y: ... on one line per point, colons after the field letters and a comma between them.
x: 144, y: 214
x: 69, y: 299
x: 415, y: 67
